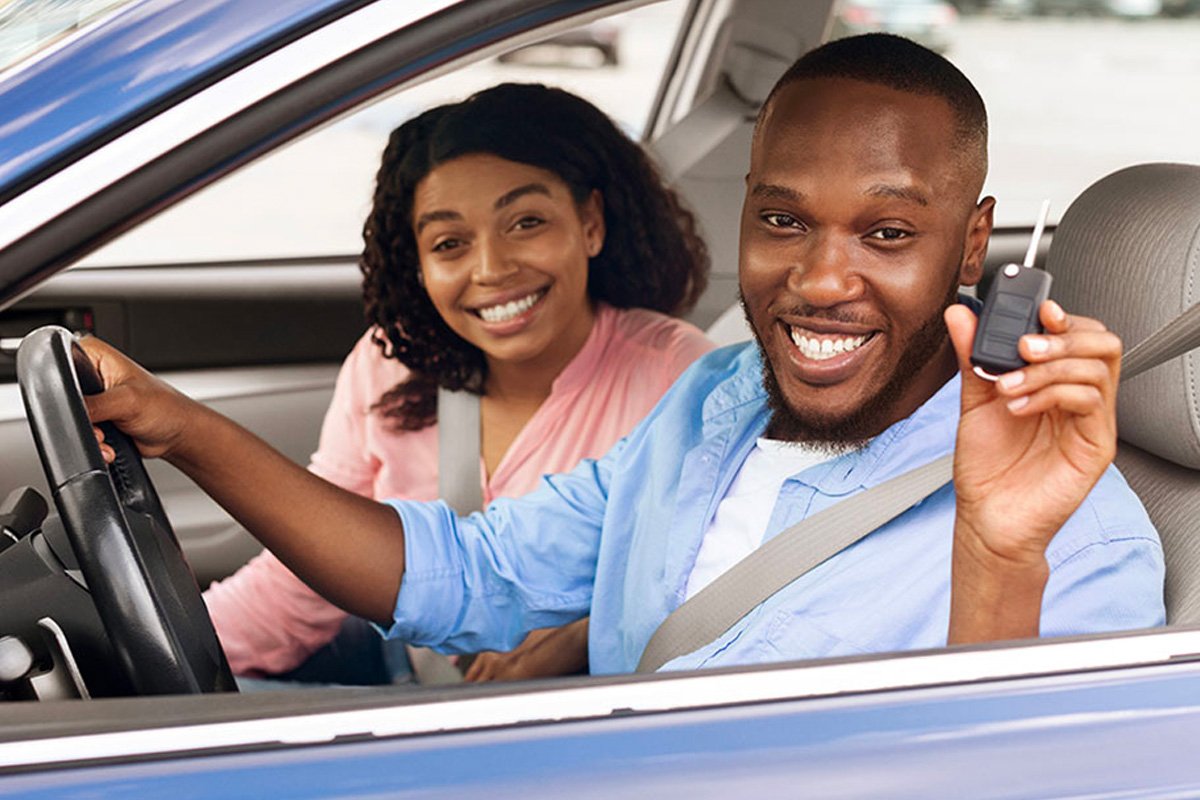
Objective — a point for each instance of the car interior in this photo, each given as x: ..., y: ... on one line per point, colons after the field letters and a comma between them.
x: 259, y: 336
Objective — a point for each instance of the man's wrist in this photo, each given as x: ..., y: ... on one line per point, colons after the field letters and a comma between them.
x: 996, y: 593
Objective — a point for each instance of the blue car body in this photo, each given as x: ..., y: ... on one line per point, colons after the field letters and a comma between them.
x: 144, y: 55
x: 1113, y: 729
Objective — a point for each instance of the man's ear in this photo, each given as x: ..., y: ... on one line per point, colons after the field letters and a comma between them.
x: 591, y: 213
x: 979, y: 231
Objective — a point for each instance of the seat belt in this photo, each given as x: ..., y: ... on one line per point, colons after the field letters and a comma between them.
x: 797, y: 550
x: 459, y: 447
x: 459, y: 486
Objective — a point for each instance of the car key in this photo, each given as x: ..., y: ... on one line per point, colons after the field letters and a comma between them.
x: 1011, y: 311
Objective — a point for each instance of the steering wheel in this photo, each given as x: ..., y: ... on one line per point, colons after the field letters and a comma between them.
x: 144, y: 592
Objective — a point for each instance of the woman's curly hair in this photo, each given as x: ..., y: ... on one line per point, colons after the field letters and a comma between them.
x: 652, y: 255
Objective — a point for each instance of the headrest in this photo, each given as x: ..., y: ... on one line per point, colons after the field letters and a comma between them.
x: 1128, y: 253
x: 756, y: 56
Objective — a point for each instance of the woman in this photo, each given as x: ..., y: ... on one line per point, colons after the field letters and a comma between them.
x: 520, y: 247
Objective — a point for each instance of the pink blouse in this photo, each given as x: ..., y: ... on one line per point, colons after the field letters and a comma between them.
x: 269, y: 621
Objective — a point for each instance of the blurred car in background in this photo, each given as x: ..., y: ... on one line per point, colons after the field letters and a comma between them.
x: 926, y: 21
x: 1134, y: 9
x: 1124, y: 9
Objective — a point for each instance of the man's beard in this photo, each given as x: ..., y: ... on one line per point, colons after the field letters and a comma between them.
x: 852, y: 431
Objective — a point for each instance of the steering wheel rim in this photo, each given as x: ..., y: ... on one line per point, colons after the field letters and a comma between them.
x: 144, y: 592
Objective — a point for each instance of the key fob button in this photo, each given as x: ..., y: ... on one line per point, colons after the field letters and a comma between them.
x: 1012, y: 305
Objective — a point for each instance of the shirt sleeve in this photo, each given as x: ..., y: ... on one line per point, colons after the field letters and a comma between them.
x: 1116, y: 585
x: 1106, y: 566
x: 483, y: 582
x: 268, y: 620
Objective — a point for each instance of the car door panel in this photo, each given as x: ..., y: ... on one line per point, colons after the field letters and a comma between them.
x: 259, y: 343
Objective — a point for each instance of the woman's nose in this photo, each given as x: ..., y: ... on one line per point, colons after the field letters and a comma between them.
x: 494, y: 262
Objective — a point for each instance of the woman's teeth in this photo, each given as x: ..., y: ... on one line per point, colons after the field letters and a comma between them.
x: 506, y: 311
x: 820, y: 348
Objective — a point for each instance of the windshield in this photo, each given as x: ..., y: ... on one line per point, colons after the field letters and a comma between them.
x: 28, y: 26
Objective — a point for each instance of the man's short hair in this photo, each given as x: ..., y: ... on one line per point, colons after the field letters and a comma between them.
x: 900, y: 64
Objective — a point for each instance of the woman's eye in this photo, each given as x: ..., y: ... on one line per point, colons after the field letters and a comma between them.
x: 889, y: 234
x: 446, y: 245
x: 777, y: 220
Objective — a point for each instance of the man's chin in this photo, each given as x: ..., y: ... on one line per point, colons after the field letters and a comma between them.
x: 835, y: 431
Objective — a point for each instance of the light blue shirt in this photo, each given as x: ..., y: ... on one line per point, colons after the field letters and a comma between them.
x: 617, y: 538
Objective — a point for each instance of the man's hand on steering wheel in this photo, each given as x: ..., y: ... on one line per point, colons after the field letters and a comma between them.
x: 148, y: 410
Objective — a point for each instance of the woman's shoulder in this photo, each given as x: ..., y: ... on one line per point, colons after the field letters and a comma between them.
x: 368, y: 367
x: 643, y: 328
x: 657, y: 347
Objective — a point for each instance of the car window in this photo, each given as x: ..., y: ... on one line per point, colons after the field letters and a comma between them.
x: 311, y: 198
x: 1075, y: 89
x: 28, y: 26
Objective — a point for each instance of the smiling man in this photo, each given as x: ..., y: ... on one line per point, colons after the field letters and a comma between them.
x: 861, y: 221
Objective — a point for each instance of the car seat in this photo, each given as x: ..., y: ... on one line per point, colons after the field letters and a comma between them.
x: 705, y: 153
x: 1127, y: 252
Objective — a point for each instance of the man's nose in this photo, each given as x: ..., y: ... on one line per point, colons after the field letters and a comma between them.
x: 825, y: 274
x: 494, y: 262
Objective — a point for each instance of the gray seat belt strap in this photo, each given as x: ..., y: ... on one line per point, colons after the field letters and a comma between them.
x: 1177, y: 337
x: 460, y: 487
x: 719, y: 606
x: 458, y: 451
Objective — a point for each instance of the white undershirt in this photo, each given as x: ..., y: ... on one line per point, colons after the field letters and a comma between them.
x: 742, y: 516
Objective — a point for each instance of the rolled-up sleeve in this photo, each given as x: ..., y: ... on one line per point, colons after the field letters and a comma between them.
x: 483, y: 582
x: 1112, y: 586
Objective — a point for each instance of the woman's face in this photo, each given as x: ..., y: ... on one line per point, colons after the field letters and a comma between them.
x: 504, y: 252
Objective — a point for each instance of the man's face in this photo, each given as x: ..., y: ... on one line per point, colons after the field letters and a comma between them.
x: 858, y: 226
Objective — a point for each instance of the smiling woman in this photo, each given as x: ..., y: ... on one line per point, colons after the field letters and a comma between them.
x: 520, y: 248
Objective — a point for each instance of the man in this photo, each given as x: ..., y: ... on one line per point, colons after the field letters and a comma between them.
x: 860, y: 223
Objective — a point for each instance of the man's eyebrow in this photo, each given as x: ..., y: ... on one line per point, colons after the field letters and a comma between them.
x: 435, y: 216
x: 508, y: 198
x: 910, y: 193
x: 773, y: 191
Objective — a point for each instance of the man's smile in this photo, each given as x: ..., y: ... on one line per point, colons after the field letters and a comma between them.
x: 825, y: 353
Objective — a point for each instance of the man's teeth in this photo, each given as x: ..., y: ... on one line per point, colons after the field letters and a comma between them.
x: 820, y: 348
x: 506, y: 311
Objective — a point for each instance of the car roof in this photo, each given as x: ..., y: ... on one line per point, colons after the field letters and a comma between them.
x: 94, y: 86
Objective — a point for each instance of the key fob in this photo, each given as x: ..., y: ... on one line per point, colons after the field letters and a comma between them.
x: 1009, y: 312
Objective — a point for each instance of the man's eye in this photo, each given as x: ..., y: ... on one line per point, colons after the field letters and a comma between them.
x: 527, y: 222
x: 777, y: 220
x: 889, y: 234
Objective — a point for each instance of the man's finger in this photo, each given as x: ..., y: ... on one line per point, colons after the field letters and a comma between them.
x: 961, y: 323
x: 1083, y: 371
x: 1100, y: 344
x: 110, y: 405
x: 1076, y: 399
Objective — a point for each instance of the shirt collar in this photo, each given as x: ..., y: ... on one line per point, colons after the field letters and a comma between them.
x: 923, y: 436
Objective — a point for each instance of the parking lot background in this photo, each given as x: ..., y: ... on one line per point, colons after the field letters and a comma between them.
x: 1069, y: 100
